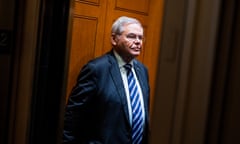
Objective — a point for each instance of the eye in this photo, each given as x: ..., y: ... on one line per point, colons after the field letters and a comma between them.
x: 134, y: 37
x: 131, y: 36
x: 140, y: 37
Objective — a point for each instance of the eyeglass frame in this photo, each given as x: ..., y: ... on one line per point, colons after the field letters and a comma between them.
x: 133, y: 37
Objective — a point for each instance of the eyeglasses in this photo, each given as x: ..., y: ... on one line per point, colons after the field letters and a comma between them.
x: 134, y: 37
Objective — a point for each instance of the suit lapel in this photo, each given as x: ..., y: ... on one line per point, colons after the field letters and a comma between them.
x: 117, y: 79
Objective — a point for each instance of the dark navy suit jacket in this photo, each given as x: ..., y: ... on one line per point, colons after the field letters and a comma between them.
x: 97, y: 110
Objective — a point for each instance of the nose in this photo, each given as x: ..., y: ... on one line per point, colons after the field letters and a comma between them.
x: 138, y: 40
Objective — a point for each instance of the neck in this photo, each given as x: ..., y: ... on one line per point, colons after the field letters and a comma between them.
x: 126, y: 58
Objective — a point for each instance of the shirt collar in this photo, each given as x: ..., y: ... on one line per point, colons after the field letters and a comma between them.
x: 120, y: 61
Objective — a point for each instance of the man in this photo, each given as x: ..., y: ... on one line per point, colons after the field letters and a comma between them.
x: 110, y: 102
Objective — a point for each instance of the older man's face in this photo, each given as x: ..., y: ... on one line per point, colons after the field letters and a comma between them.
x: 129, y: 43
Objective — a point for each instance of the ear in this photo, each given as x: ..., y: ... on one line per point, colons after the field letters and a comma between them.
x: 113, y: 39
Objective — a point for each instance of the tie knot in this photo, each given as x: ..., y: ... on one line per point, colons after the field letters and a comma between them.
x: 128, y: 67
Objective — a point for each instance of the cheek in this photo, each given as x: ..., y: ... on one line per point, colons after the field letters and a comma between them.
x: 126, y: 44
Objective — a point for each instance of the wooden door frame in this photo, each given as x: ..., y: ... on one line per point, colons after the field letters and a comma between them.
x: 223, y: 124
x: 185, y: 69
x: 39, y: 71
x: 25, y: 38
x: 51, y: 64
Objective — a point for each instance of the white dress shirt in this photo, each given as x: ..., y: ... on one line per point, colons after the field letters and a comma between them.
x: 123, y: 71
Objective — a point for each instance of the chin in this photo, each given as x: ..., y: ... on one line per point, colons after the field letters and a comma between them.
x: 136, y: 54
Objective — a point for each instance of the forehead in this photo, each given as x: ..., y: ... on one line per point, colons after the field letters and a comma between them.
x: 133, y: 28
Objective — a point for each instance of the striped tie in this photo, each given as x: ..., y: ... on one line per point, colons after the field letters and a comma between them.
x: 137, y: 119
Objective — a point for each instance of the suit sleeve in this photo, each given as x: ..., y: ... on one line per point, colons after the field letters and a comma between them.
x: 76, y: 110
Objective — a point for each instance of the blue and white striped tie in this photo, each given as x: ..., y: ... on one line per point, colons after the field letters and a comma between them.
x: 137, y: 119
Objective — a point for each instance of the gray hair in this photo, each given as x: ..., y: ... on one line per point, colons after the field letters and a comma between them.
x: 117, y: 27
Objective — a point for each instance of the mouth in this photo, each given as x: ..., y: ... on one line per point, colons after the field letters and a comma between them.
x: 136, y: 48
